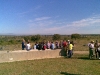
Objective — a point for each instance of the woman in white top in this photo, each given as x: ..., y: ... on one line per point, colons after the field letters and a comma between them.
x: 28, y: 46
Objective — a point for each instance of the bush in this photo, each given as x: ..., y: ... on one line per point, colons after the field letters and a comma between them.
x: 56, y: 37
x: 35, y: 38
x: 75, y: 36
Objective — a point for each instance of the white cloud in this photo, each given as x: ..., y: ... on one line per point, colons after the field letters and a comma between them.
x: 86, y: 22
x: 78, y: 26
x: 30, y: 10
x: 45, y: 25
x: 42, y: 18
x: 41, y: 22
x: 24, y: 12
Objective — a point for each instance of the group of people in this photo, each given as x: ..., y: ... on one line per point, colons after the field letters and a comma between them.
x: 94, y: 49
x: 44, y: 46
x: 41, y: 45
x: 25, y: 45
x: 67, y: 46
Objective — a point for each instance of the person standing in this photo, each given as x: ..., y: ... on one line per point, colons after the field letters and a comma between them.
x: 96, y: 45
x: 73, y: 47
x: 65, y: 45
x: 23, y: 44
x: 91, y: 49
x: 70, y: 47
x: 98, y: 51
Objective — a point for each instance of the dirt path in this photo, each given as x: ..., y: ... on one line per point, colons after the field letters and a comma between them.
x: 81, y: 52
x: 78, y: 52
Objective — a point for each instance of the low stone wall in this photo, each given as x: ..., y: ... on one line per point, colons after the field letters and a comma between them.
x: 19, y: 55
x: 9, y: 56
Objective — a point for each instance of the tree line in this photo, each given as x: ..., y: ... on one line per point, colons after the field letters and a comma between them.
x: 8, y: 40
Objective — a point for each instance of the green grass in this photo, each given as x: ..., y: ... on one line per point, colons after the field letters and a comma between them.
x: 77, y: 65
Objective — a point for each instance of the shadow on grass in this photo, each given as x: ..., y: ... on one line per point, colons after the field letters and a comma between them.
x: 75, y: 55
x: 84, y: 58
x: 65, y: 73
x: 62, y: 52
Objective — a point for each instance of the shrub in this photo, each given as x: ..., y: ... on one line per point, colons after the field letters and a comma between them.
x: 75, y: 36
x: 56, y: 37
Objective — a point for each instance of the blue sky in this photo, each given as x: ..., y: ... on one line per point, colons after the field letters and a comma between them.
x: 50, y: 16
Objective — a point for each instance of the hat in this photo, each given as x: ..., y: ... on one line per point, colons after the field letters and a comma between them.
x: 92, y: 41
x: 68, y: 40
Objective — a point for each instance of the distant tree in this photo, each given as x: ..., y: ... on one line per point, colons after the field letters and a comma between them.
x: 35, y: 38
x: 56, y: 37
x: 65, y: 38
x: 27, y: 38
x: 75, y: 36
x: 38, y: 37
x: 12, y: 42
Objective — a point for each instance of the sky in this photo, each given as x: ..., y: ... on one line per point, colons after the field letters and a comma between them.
x: 49, y: 16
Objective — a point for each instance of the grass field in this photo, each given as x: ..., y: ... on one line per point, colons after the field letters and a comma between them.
x: 77, y: 65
